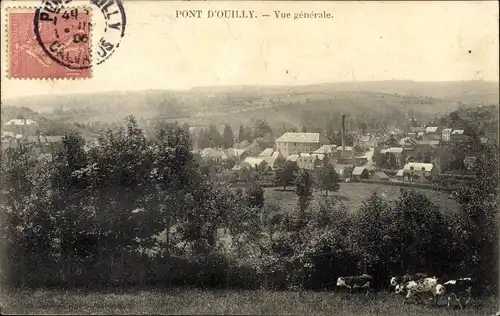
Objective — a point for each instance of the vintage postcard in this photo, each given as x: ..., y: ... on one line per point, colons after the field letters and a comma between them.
x: 249, y: 157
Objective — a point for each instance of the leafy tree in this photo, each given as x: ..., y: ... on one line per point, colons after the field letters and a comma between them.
x: 228, y: 137
x: 255, y: 195
x: 304, y: 190
x: 327, y: 179
x: 261, y: 129
x: 185, y: 128
x: 347, y: 173
x: 203, y: 139
x: 363, y: 127
x: 279, y: 163
x: 245, y: 174
x: 215, y: 137
x: 419, y: 228
x: 479, y: 209
x: 287, y: 174
x: 241, y: 134
x: 373, y: 236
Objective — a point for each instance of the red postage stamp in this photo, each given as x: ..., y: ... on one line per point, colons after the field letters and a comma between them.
x: 49, y: 45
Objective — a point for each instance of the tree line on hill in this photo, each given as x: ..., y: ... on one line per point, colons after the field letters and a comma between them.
x: 93, y: 218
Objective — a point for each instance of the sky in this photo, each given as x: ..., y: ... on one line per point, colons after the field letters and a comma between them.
x: 364, y: 41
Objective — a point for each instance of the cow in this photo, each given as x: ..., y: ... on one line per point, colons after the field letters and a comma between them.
x: 417, y: 287
x: 395, y: 280
x: 455, y: 287
x: 363, y: 281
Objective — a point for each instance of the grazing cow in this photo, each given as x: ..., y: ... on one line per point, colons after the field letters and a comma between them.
x: 395, y: 280
x: 364, y: 281
x: 454, y: 288
x: 415, y: 288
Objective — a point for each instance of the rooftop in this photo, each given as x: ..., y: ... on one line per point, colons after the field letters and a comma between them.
x: 299, y: 137
x: 267, y: 152
x: 418, y: 166
x: 325, y: 149
x: 21, y: 122
x: 358, y: 171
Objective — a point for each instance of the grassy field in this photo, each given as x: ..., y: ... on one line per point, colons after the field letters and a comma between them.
x: 353, y: 194
x: 192, y: 301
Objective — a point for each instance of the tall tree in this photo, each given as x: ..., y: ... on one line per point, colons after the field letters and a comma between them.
x: 363, y: 127
x: 255, y: 195
x: 261, y: 129
x: 287, y: 174
x: 203, y: 139
x: 228, y: 137
x: 327, y: 179
x: 241, y: 134
x: 214, y: 136
x: 304, y: 190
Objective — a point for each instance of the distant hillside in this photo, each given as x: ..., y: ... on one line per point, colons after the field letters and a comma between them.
x: 386, y: 102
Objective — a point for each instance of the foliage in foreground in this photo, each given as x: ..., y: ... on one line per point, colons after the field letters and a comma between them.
x: 93, y: 218
x: 226, y: 302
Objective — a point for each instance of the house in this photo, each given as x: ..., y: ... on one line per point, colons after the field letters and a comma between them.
x: 360, y: 173
x: 326, y: 150
x: 446, y: 134
x: 417, y: 129
x: 295, y: 143
x: 393, y: 150
x: 22, y: 126
x: 484, y: 140
x: 431, y: 129
x: 344, y: 170
x: 396, y: 151
x: 308, y: 161
x: 21, y: 122
x: 235, y: 153
x: 268, y: 152
x: 356, y: 161
x: 421, y: 172
x: 346, y: 151
x: 469, y: 162
x: 213, y: 155
x: 458, y: 135
x: 432, y: 143
x: 320, y: 157
x: 407, y: 141
x: 270, y: 156
x: 255, y: 163
x: 380, y: 176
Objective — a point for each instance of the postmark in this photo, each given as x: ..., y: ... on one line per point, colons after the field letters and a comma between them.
x: 29, y: 60
x: 113, y: 29
x: 62, y: 38
x: 108, y: 27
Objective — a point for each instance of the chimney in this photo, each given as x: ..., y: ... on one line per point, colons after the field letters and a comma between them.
x: 342, y: 132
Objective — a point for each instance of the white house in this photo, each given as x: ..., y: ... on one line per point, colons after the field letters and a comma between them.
x: 295, y: 143
x: 417, y: 171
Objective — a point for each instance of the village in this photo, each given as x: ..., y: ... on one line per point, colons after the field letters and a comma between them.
x: 424, y: 156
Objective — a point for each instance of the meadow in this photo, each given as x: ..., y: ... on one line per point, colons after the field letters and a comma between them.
x: 217, y: 302
x: 353, y: 195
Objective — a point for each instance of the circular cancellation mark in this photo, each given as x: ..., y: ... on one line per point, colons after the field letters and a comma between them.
x: 64, y: 32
